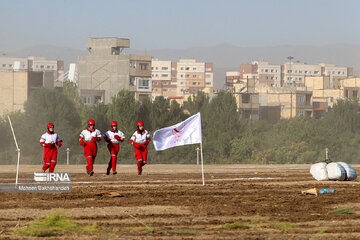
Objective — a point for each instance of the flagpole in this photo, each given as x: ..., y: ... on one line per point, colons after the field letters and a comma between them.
x: 202, y: 164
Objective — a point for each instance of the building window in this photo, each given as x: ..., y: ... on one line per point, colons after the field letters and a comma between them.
x: 143, y: 84
x: 144, y: 66
x: 266, y: 70
x: 187, y: 75
x: 86, y: 100
x: 300, y: 100
x: 208, y: 69
x: 164, y: 68
x: 194, y: 83
x: 194, y: 68
x: 173, y: 76
x: 48, y: 67
x: 132, y: 81
x: 132, y: 64
x: 208, y: 83
x: 187, y: 68
x: 98, y: 99
x: 10, y: 65
x: 173, y: 69
x: 182, y: 68
x: 4, y: 65
x: 194, y: 76
x: 208, y: 75
x: 165, y: 90
x: 300, y: 113
x: 355, y: 94
x: 164, y: 75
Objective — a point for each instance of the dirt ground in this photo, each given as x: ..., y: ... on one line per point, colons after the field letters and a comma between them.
x: 264, y: 200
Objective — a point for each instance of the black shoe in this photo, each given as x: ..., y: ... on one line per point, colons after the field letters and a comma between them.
x: 43, y: 170
x: 107, y: 172
x: 114, y: 173
x: 91, y: 172
x: 139, y: 173
x: 87, y: 171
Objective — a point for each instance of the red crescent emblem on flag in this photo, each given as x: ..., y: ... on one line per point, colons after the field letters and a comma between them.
x: 176, y: 130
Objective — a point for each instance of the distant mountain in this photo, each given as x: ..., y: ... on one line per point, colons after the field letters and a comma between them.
x: 224, y: 56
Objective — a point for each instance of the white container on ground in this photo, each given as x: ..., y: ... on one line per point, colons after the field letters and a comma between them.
x: 350, y: 171
x: 335, y: 171
x: 319, y: 172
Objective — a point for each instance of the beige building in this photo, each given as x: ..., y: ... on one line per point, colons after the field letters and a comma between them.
x: 53, y: 70
x: 290, y: 74
x: 16, y: 87
x: 178, y: 80
x: 107, y: 70
x: 293, y: 102
x: 162, y: 79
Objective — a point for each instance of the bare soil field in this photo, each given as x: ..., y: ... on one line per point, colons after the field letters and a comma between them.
x: 170, y: 202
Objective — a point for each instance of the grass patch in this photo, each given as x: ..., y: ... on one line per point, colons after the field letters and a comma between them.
x: 184, y: 232
x: 283, y: 226
x: 234, y: 225
x: 322, y: 231
x: 54, y: 224
x: 149, y: 227
x: 343, y: 211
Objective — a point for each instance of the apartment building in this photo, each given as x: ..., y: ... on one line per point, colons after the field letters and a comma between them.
x: 290, y: 74
x: 16, y: 87
x: 175, y: 80
x: 162, y: 81
x: 107, y: 70
x: 53, y: 70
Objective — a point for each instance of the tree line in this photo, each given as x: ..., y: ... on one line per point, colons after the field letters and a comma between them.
x: 227, y: 136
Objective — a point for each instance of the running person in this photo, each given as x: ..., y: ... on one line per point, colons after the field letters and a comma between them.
x: 48, y: 140
x: 88, y: 138
x: 113, y: 137
x: 140, y: 140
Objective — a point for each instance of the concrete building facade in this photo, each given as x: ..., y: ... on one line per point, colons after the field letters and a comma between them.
x: 16, y: 87
x: 175, y: 80
x: 107, y: 70
x: 290, y: 74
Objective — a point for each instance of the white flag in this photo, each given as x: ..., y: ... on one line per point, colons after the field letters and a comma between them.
x: 186, y: 132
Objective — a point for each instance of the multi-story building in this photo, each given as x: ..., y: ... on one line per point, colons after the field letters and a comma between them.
x: 17, y: 86
x: 290, y: 74
x: 53, y: 70
x: 20, y: 76
x: 162, y: 80
x: 175, y: 80
x: 107, y: 70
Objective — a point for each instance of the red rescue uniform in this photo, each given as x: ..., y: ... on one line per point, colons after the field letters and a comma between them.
x: 49, y: 141
x: 88, y: 139
x: 113, y: 138
x: 140, y: 142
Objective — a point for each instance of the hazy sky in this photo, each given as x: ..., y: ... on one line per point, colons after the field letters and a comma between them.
x: 153, y: 24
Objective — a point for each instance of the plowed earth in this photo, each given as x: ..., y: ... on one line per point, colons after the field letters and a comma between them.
x: 260, y: 201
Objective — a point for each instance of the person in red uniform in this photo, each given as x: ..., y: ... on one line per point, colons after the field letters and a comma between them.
x: 140, y: 140
x: 48, y: 140
x: 113, y: 137
x: 88, y: 138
